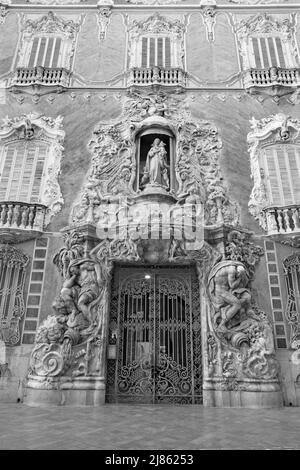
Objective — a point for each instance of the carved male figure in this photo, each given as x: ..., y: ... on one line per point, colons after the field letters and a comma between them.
x: 227, y: 287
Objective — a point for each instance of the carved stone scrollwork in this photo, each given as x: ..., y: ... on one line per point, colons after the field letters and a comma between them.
x: 71, y: 341
x: 274, y: 130
x: 241, y: 327
x: 3, y: 11
x: 209, y: 18
x: 37, y: 127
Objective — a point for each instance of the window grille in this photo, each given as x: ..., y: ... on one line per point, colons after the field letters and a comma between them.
x: 268, y: 52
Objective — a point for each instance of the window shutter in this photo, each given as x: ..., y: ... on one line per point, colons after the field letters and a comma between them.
x: 282, y: 167
x: 280, y: 52
x: 268, y: 52
x: 152, y: 57
x: 156, y: 51
x: 45, y: 52
x: 22, y: 172
x: 160, y: 58
x: 144, y: 52
x: 33, y: 52
x: 167, y: 52
x: 56, y: 53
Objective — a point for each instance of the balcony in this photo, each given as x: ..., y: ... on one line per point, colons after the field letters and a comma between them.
x: 33, y: 80
x: 156, y: 76
x: 20, y: 221
x: 282, y: 220
x: 273, y: 81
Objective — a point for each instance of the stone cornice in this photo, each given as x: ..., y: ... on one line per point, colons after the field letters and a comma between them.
x: 272, y: 8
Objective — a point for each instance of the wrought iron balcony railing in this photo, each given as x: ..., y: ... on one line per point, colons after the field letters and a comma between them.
x: 272, y: 80
x: 41, y: 77
x: 22, y: 216
x: 282, y: 220
x: 172, y: 76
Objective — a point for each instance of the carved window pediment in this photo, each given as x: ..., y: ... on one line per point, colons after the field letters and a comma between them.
x: 156, y: 51
x: 275, y: 167
x: 45, y: 55
x: 269, y: 55
x: 30, y: 154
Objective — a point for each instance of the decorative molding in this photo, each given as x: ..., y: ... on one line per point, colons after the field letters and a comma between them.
x: 56, y: 2
x: 4, y: 10
x: 291, y: 266
x: 34, y: 126
x: 272, y: 130
x: 103, y: 18
x: 157, y: 25
x: 209, y: 19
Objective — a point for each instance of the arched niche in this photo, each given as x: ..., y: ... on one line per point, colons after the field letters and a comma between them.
x: 144, y: 141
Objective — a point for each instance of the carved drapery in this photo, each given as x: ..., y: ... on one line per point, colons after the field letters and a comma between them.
x: 37, y: 128
x: 13, y: 263
x: 271, y: 131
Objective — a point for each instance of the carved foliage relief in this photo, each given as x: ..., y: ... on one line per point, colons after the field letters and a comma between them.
x: 37, y: 128
x: 156, y: 25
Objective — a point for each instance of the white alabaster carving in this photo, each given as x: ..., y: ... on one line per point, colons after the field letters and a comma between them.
x: 265, y: 25
x: 274, y: 129
x: 33, y: 126
x: 48, y: 25
x: 157, y: 25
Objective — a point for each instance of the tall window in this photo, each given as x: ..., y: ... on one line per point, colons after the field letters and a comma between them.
x: 21, y: 171
x: 281, y: 164
x: 268, y: 52
x: 156, y: 51
x: 45, y: 52
x: 12, y: 277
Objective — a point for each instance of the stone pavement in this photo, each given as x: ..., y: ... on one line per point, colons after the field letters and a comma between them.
x: 135, y: 427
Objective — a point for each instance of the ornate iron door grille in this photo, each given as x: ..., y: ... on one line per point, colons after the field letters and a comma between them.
x: 154, y: 350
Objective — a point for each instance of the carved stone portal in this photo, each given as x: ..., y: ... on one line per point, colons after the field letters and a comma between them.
x: 68, y: 361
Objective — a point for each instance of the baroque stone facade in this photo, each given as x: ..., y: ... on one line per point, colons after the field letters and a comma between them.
x: 153, y: 258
